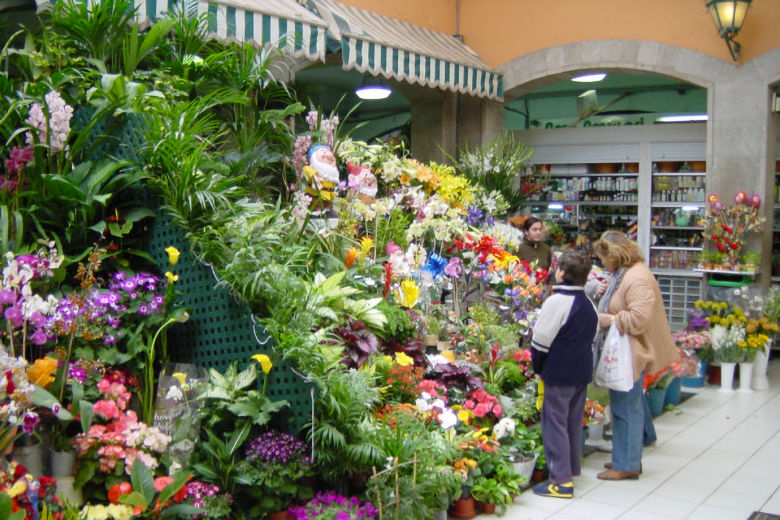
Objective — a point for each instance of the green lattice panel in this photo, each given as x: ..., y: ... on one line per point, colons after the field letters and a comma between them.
x: 220, y: 329
x: 120, y: 137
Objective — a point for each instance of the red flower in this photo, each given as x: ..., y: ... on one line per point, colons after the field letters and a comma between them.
x: 10, y: 387
x: 117, y: 491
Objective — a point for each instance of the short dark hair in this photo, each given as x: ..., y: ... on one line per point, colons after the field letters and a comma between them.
x: 530, y: 221
x: 575, y: 266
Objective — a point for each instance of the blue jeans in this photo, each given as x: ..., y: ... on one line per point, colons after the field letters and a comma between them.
x: 648, y: 430
x: 628, y: 415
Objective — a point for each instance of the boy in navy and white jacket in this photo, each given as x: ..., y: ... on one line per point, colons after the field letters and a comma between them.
x: 561, y: 352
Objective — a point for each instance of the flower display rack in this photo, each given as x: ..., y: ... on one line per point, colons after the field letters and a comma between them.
x: 221, y: 329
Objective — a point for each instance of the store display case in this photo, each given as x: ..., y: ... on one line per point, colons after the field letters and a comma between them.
x: 677, y: 207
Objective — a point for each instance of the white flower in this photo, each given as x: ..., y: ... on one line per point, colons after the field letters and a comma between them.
x: 504, y: 428
x: 448, y: 419
x: 174, y: 393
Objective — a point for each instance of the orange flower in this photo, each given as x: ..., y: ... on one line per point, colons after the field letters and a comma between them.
x: 350, y: 257
x: 41, y: 372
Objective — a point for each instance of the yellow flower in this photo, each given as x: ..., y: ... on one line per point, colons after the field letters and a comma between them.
x: 19, y: 487
x: 366, y: 245
x: 173, y: 255
x: 403, y: 359
x: 171, y: 277
x: 465, y: 416
x: 265, y: 362
x: 41, y: 371
x: 409, y: 293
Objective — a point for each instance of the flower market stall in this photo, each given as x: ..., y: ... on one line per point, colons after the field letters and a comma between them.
x: 217, y: 315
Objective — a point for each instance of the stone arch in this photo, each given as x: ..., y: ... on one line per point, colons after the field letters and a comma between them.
x: 530, y: 72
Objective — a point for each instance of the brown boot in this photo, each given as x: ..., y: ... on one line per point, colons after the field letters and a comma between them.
x: 608, y: 465
x: 613, y: 474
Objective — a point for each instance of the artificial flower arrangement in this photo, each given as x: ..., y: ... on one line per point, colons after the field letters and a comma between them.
x: 728, y: 228
x: 21, y: 492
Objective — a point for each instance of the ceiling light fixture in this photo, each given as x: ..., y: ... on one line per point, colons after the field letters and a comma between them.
x: 682, y: 118
x: 729, y: 15
x: 591, y: 77
x: 373, y: 88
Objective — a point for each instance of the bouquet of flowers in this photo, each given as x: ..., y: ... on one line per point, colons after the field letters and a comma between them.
x: 695, y: 342
x: 734, y: 337
x: 328, y: 505
x: 28, y: 494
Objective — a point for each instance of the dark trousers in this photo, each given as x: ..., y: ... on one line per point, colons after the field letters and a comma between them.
x: 562, y: 414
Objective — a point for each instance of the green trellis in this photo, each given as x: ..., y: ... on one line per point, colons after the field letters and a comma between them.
x: 220, y: 330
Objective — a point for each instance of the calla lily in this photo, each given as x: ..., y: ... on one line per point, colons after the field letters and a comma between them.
x: 265, y: 362
x: 409, y: 293
x: 173, y: 255
x: 171, y: 277
x: 180, y: 377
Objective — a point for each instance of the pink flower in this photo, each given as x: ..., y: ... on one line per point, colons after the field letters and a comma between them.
x: 482, y: 409
x: 106, y: 409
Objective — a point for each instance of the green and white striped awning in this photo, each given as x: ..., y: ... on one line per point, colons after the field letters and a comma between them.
x: 385, y: 46
x: 262, y: 22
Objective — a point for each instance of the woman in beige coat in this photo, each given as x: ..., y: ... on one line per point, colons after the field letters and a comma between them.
x: 633, y: 302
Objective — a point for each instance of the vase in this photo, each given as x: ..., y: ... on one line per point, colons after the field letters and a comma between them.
x: 525, y: 468
x: 62, y: 463
x: 67, y: 493
x: 696, y: 381
x: 760, y: 363
x: 655, y: 399
x: 713, y: 374
x: 464, y: 508
x: 727, y: 377
x: 30, y: 456
x: 672, y: 396
x: 745, y: 376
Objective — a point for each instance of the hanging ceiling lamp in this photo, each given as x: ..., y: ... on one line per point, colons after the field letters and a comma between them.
x: 373, y: 88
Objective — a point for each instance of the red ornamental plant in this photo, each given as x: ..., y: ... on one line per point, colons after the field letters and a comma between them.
x: 729, y: 227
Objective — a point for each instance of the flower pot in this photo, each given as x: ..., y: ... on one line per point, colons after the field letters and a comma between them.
x: 745, y: 377
x: 487, y: 508
x: 760, y: 381
x: 464, y: 508
x: 441, y: 514
x: 537, y: 476
x: 62, y: 463
x: 727, y: 377
x: 672, y: 396
x: 655, y: 399
x: 67, y: 493
x: 525, y: 467
x: 31, y: 457
x: 696, y: 381
x: 279, y: 515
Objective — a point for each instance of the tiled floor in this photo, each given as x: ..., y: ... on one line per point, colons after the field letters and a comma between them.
x: 717, y: 458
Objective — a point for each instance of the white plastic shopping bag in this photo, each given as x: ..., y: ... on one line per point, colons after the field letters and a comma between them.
x: 615, y: 369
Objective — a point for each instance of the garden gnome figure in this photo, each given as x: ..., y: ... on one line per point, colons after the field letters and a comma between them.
x: 322, y: 172
x: 362, y: 182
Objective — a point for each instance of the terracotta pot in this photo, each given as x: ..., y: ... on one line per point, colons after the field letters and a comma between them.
x: 488, y: 509
x: 607, y: 167
x: 279, y: 515
x: 698, y: 166
x: 668, y: 166
x: 537, y: 475
x: 464, y: 508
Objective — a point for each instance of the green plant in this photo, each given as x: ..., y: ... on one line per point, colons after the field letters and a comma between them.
x: 751, y: 258
x: 500, y: 166
x: 707, y: 256
x: 490, y: 491
x: 772, y: 305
